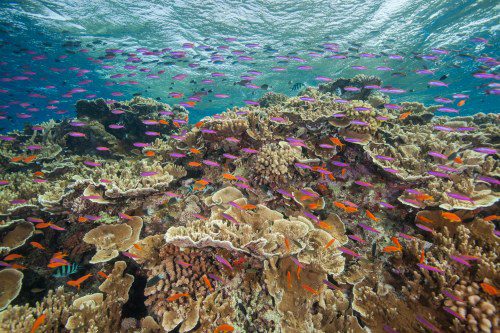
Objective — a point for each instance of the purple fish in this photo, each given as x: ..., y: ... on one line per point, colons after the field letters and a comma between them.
x: 208, y: 131
x: 437, y: 83
x: 326, y: 146
x: 311, y: 216
x: 309, y: 193
x: 234, y: 204
x: 223, y: 261
x: 405, y: 236
x: 177, y: 155
x: 431, y: 268
x: 485, y: 150
x: 453, y: 297
x: 447, y: 110
x: 460, y: 260
x: 172, y: 194
x: 250, y: 150
x: 303, y: 166
x: 348, y: 251
x: 490, y: 180
x: 386, y: 205
x: 211, y: 163
x: 359, y: 122
x: 443, y: 128
x: 340, y: 164
x: 330, y: 285
x: 215, y: 277
x: 438, y: 155
x: 92, y: 164
x: 148, y: 173
x: 243, y: 185
x: 453, y: 313
x: 447, y: 168
x: 459, y: 197
x: 364, y: 184
x: 357, y: 238
x: 285, y: 193
x: 367, y: 227
x: 438, y: 174
x: 390, y: 170
x: 76, y: 134
x: 232, y: 157
x: 427, y: 324
x: 297, y: 262
x: 229, y: 218
x: 141, y: 144
x: 423, y: 227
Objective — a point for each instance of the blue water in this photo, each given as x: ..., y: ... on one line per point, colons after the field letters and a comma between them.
x: 48, y: 48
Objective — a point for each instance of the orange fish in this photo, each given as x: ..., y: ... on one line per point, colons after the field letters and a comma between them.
x: 16, y: 266
x: 163, y: 122
x: 57, y: 264
x: 310, y: 289
x: 12, y: 257
x: 176, y: 124
x: 175, y: 297
x: 452, y: 217
x: 239, y: 261
x: 248, y: 206
x: 424, y: 197
x: 199, y: 124
x: 458, y: 160
x: 461, y: 103
x: 82, y: 219
x: 287, y: 244
x: 201, y: 182
x: 371, y: 216
x: 330, y: 243
x: 150, y: 153
x: 191, y: 103
x: 324, y: 225
x: 289, y: 279
x: 405, y: 115
x: 396, y: 241
x: 194, y: 164
x: 207, y: 282
x: 339, y: 204
x: 314, y: 205
x: 37, y: 245
x: 491, y: 218
x: 79, y: 281
x: 16, y: 159
x: 424, y: 219
x: 29, y: 159
x: 229, y: 176
x: 350, y: 209
x: 344, y: 170
x: 43, y: 225
x: 337, y: 142
x: 422, y: 256
x: 489, y: 289
x: 138, y: 247
x: 389, y: 249
x: 38, y: 174
x: 195, y: 151
x: 298, y: 272
x: 224, y: 328
x: 102, y: 274
x: 39, y: 321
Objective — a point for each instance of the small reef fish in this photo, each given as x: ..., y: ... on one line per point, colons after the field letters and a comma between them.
x: 224, y: 328
x: 79, y: 281
x: 175, y: 297
x: 38, y: 322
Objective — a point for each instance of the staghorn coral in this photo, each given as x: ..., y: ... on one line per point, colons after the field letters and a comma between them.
x: 109, y: 239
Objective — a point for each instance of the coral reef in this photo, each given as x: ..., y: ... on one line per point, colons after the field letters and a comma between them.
x: 329, y: 211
